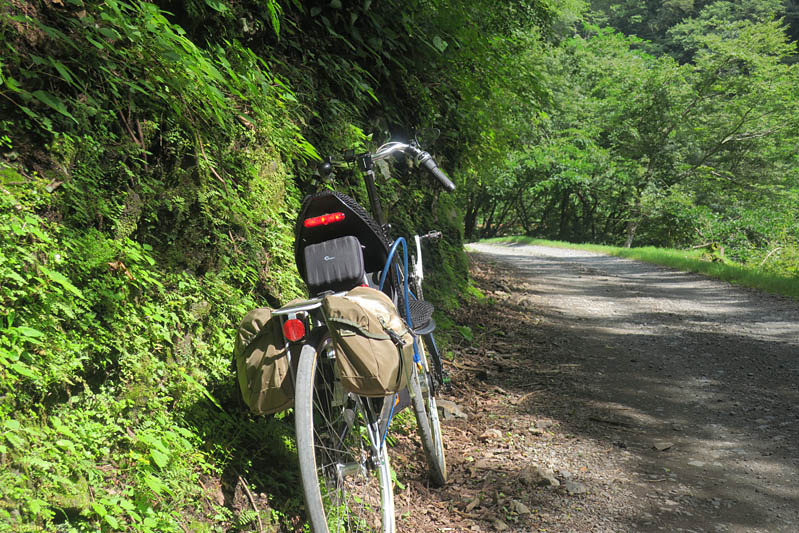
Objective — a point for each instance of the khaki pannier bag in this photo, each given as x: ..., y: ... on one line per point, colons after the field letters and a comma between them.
x: 263, y: 363
x: 373, y: 343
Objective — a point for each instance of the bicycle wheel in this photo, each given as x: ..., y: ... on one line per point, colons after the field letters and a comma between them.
x: 346, y: 479
x: 423, y: 401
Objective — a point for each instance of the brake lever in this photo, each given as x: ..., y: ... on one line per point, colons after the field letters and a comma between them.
x: 432, y: 235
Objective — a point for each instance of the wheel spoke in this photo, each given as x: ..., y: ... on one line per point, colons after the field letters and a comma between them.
x: 346, y: 481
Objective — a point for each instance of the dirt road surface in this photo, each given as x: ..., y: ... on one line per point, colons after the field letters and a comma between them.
x: 609, y: 395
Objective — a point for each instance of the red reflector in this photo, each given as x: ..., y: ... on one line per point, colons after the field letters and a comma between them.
x: 323, y: 220
x: 294, y: 329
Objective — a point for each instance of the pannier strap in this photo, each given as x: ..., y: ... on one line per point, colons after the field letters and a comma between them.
x: 364, y: 332
x: 395, y: 338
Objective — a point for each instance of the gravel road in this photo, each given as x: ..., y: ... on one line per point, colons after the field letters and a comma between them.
x: 673, y: 398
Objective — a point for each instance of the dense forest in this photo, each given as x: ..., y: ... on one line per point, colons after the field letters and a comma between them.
x: 674, y: 126
x: 153, y: 156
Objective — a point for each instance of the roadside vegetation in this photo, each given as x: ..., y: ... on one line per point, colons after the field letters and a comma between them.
x: 705, y: 262
x: 153, y: 156
x: 684, y: 139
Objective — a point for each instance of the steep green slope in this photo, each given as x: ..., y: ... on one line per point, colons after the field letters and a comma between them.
x: 152, y: 158
x: 147, y: 205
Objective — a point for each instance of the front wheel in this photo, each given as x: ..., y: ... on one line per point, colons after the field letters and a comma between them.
x: 344, y: 466
x: 423, y: 400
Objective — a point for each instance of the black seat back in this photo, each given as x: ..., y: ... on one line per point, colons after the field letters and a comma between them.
x: 356, y: 222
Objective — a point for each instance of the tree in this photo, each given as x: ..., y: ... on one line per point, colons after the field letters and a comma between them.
x: 642, y: 148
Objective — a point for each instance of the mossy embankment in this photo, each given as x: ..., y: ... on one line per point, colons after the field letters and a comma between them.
x: 152, y: 159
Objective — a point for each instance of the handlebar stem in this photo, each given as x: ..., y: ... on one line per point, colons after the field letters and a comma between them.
x: 374, y: 199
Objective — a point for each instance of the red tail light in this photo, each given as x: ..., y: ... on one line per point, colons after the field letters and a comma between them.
x: 293, y: 329
x: 323, y: 220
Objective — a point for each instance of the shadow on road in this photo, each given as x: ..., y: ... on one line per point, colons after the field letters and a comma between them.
x: 688, y: 386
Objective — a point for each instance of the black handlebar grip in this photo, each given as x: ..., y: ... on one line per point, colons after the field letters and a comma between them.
x: 430, y: 164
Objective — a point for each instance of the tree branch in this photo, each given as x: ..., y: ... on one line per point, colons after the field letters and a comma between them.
x: 210, y: 166
x: 252, y: 502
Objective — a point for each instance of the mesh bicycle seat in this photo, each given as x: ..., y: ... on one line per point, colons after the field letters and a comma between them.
x: 422, y: 317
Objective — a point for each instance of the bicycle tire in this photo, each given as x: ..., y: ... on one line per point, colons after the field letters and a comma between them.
x: 433, y: 355
x: 423, y: 401
x: 346, y: 484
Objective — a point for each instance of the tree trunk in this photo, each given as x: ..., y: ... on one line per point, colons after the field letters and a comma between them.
x: 470, y: 222
x: 632, y: 226
x: 564, y: 214
x: 473, y: 209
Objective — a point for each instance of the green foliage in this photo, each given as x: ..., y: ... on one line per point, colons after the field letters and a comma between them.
x: 663, y: 24
x: 158, y: 214
x: 641, y: 148
x: 152, y: 158
x: 106, y: 373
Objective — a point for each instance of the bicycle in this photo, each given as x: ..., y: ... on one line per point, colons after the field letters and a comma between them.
x: 341, y: 436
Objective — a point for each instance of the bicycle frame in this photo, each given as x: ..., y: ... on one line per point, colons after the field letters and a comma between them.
x: 341, y: 435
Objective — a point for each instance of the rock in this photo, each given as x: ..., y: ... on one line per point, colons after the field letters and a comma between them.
x: 698, y: 464
x: 662, y: 446
x: 520, y: 508
x: 574, y: 488
x: 472, y: 504
x: 499, y: 525
x: 200, y: 309
x: 533, y: 476
x: 544, y: 424
x: 491, y: 434
x: 448, y: 410
x: 482, y: 463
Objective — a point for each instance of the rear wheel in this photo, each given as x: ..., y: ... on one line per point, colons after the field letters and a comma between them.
x: 424, y: 406
x: 345, y: 472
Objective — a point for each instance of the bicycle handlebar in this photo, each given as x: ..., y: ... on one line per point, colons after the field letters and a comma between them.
x: 424, y: 159
x: 427, y: 161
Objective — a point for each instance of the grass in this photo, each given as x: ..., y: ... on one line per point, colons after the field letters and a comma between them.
x: 686, y: 260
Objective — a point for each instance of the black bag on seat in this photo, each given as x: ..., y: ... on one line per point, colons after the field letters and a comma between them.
x: 356, y: 222
x: 334, y: 265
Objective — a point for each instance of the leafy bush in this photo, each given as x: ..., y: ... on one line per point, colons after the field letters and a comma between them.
x: 150, y: 172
